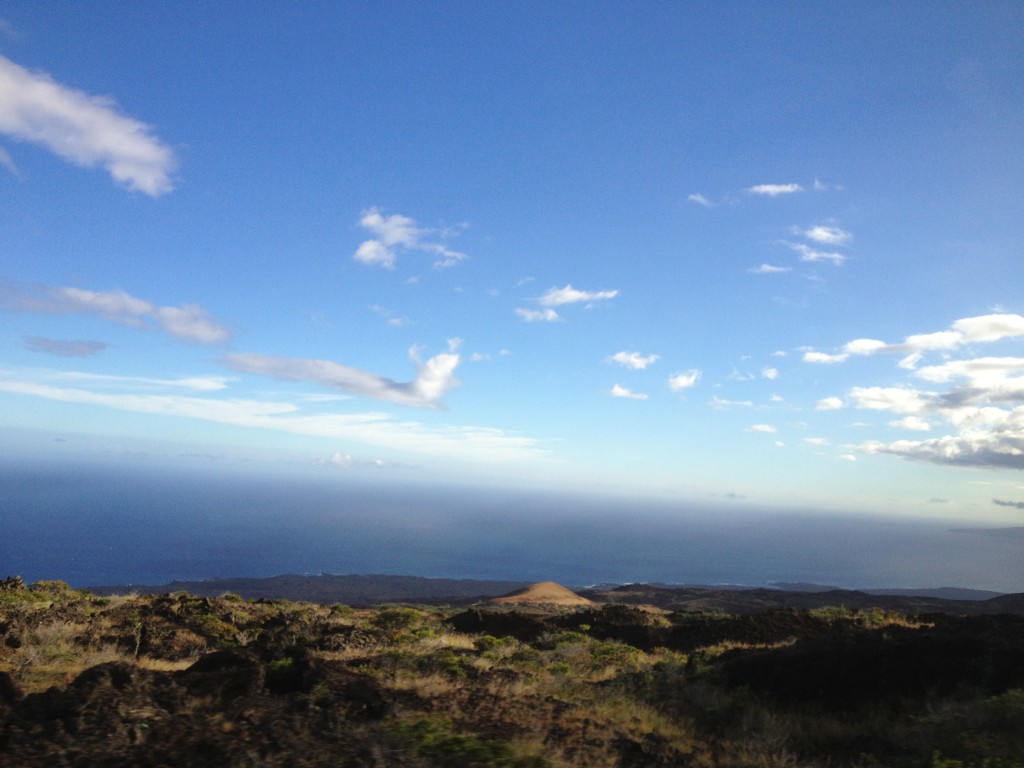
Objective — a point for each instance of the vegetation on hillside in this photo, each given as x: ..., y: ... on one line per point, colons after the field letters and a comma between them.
x: 183, y: 680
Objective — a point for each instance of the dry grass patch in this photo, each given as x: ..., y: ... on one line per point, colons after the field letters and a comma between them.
x: 163, y: 665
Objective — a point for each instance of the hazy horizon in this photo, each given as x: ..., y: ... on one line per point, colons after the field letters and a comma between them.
x: 96, y: 525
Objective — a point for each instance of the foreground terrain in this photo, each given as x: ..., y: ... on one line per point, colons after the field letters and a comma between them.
x: 182, y: 680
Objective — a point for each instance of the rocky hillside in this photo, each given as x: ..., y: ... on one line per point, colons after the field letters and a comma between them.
x: 181, y: 680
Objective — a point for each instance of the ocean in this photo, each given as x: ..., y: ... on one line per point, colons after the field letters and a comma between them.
x: 101, y: 525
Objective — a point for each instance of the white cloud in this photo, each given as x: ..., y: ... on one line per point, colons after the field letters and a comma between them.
x: 435, y: 376
x: 990, y: 327
x: 685, y: 380
x: 864, y: 346
x: 769, y: 269
x: 700, y: 200
x: 984, y: 430
x: 924, y: 342
x: 822, y: 357
x: 981, y: 329
x: 398, y: 231
x: 340, y: 459
x: 911, y: 422
x: 1000, y: 445
x: 774, y: 190
x: 375, y: 252
x: 633, y: 360
x: 895, y: 399
x: 189, y: 322
x: 770, y: 373
x: 816, y: 440
x: 723, y: 404
x: 828, y: 404
x: 556, y: 297
x: 910, y: 361
x: 395, y: 229
x: 763, y: 428
x: 538, y: 315
x: 85, y: 130
x: 619, y: 391
x: 847, y: 457
x: 983, y: 371
x: 807, y: 253
x: 476, y: 444
x: 826, y: 235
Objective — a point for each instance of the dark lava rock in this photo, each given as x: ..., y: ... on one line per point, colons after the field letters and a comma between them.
x: 861, y: 668
x: 217, y: 713
x: 633, y: 626
x: 499, y: 623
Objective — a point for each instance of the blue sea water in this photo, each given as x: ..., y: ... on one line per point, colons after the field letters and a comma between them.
x: 93, y: 525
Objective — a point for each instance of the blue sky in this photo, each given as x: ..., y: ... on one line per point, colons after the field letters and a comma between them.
x: 752, y: 253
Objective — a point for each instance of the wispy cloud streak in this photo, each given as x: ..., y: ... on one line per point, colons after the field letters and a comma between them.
x: 556, y: 297
x: 435, y: 376
x: 85, y: 130
x: 774, y: 190
x: 189, y: 322
x: 633, y: 360
x: 470, y: 443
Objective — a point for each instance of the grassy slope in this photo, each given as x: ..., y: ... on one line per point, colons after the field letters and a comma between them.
x: 287, y: 683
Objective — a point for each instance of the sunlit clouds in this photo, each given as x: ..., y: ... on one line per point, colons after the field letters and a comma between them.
x: 808, y: 253
x: 557, y: 297
x: 620, y: 391
x: 982, y: 401
x: 633, y: 360
x: 85, y: 130
x: 774, y: 190
x: 825, y: 234
x: 823, y: 357
x: 396, y: 233
x: 981, y: 329
x: 538, y: 315
x: 625, y: 271
x: 677, y: 382
x: 770, y: 269
x: 560, y: 297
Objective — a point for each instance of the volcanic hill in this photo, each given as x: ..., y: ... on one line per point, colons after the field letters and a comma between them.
x: 542, y: 593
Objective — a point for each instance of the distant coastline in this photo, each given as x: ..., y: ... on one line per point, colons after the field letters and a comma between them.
x: 362, y: 590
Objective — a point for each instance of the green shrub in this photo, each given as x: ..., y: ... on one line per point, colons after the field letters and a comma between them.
x: 434, y: 739
x: 395, y: 620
